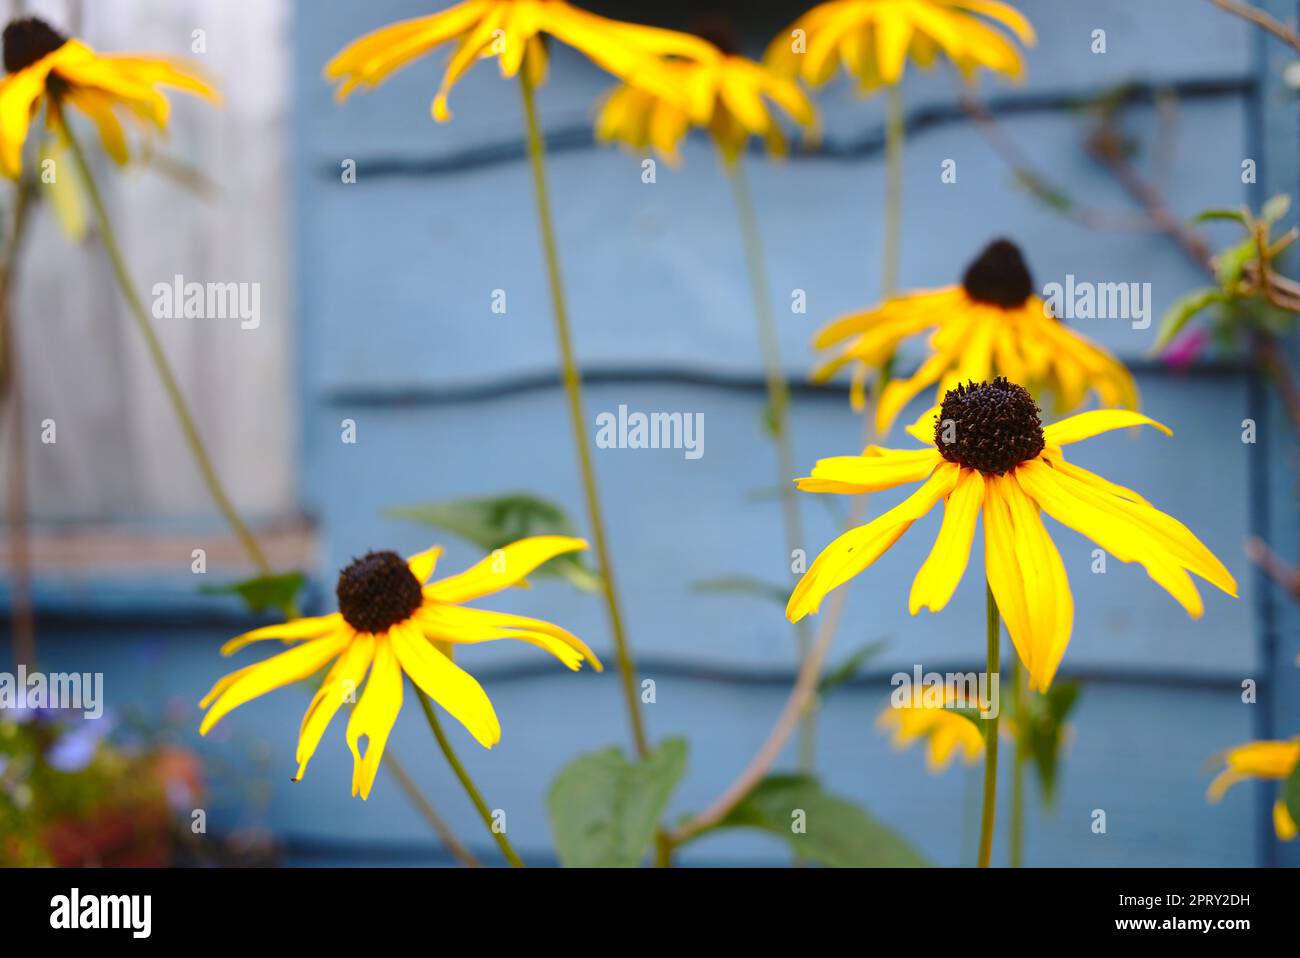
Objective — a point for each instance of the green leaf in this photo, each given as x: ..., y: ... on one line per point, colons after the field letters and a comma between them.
x: 1181, y: 312
x: 278, y: 591
x: 1237, y: 216
x: 820, y: 827
x: 743, y: 585
x: 851, y: 666
x: 1230, y: 264
x: 1291, y: 793
x: 605, y: 810
x: 1276, y: 208
x: 493, y: 522
x: 1042, y: 731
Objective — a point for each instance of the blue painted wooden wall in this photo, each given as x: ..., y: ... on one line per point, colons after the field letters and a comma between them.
x: 394, y: 283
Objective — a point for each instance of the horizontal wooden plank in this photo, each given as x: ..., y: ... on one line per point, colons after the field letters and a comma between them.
x: 675, y: 521
x: 399, y: 276
x: 1208, y: 45
x: 1136, y: 752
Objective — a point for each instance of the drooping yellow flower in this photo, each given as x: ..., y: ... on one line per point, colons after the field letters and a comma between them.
x: 872, y: 39
x: 991, y: 454
x: 1274, y: 761
x: 947, y: 733
x: 389, y: 623
x: 512, y: 31
x: 991, y: 324
x: 726, y: 95
x: 45, y: 67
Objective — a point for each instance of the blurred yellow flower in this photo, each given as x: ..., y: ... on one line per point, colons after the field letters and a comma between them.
x: 44, y: 66
x: 727, y: 95
x: 991, y: 453
x: 872, y: 39
x: 947, y: 733
x: 512, y: 31
x: 389, y: 623
x: 992, y: 324
x: 1266, y: 760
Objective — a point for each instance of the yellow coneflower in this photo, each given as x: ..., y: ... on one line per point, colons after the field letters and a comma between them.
x: 389, y: 622
x: 726, y: 95
x: 872, y: 39
x: 1274, y: 761
x: 512, y: 31
x: 991, y: 454
x: 991, y: 324
x: 44, y: 66
x: 947, y: 733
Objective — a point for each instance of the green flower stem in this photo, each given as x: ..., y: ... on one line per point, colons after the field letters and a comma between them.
x: 1017, y: 850
x: 174, y: 395
x: 471, y: 789
x: 894, y: 129
x: 990, y: 736
x: 573, y: 390
x: 778, y: 397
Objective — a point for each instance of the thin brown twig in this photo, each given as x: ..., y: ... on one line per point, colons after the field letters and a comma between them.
x: 1261, y: 19
x: 802, y: 697
x: 1273, y: 565
x: 1025, y: 171
x: 425, y: 808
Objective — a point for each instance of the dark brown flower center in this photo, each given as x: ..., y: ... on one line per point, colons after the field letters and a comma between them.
x: 991, y: 427
x: 999, y: 276
x: 377, y: 591
x: 27, y: 40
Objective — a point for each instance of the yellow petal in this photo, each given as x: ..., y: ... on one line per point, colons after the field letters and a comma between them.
x: 19, y: 94
x: 1003, y: 13
x: 421, y: 564
x: 292, y: 666
x: 1109, y: 528
x: 893, y: 34
x: 447, y: 684
x: 457, y: 624
x: 503, y: 568
x: 99, y: 107
x: 374, y: 716
x: 1283, y: 824
x: 312, y: 627
x: 341, y: 684
x: 1049, y: 602
x: 857, y: 474
x: 943, y: 568
x: 856, y: 549
x: 1095, y: 422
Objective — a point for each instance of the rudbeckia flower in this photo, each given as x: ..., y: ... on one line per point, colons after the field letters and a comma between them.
x: 44, y: 66
x: 1274, y: 761
x: 947, y: 733
x: 390, y: 622
x: 513, y: 31
x: 727, y: 95
x: 872, y: 39
x: 992, y: 324
x: 992, y: 455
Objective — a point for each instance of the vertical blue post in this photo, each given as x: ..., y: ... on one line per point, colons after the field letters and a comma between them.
x: 1275, y: 145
